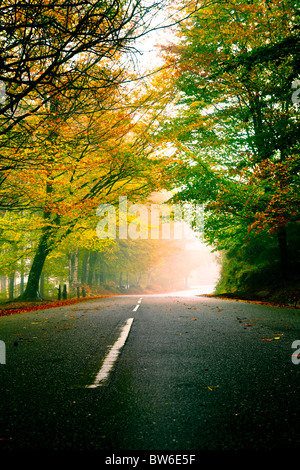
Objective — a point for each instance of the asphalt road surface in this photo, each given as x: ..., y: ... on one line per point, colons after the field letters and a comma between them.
x: 158, y: 373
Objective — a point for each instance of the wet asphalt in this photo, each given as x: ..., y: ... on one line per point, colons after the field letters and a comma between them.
x: 195, y: 374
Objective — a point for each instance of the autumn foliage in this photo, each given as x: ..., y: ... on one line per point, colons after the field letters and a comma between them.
x: 74, y: 131
x: 217, y: 124
x: 21, y: 307
x: 235, y: 67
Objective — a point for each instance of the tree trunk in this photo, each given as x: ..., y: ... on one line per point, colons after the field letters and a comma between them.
x: 22, y: 277
x: 73, y: 270
x: 64, y: 294
x: 85, y: 267
x: 44, y: 248
x: 31, y: 291
x: 42, y: 284
x: 11, y: 285
x: 91, y: 271
x: 283, y: 253
x: 71, y: 266
x: 3, y: 284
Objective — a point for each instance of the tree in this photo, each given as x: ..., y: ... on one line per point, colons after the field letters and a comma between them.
x: 46, y: 47
x: 73, y: 133
x: 237, y: 128
x: 85, y: 154
x: 50, y: 51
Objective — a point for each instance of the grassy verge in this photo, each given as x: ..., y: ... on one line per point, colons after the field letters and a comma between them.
x: 281, y: 297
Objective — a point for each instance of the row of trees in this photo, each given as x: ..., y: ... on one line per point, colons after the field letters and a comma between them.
x: 77, y: 129
x: 234, y: 72
x: 131, y: 266
x: 218, y: 125
x: 69, y: 134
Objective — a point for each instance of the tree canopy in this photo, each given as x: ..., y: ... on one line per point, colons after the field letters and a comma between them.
x: 233, y: 72
x: 216, y: 124
x: 70, y: 128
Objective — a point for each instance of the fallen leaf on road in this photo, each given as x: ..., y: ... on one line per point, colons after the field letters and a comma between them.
x: 267, y: 339
x: 193, y: 319
x: 211, y: 387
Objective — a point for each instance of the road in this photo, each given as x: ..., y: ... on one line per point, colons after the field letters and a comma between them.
x: 194, y: 374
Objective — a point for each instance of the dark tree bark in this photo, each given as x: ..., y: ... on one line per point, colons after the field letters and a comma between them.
x: 283, y: 253
x: 31, y: 291
x: 22, y: 277
x: 85, y: 267
x: 91, y: 271
x: 11, y: 285
x: 42, y: 285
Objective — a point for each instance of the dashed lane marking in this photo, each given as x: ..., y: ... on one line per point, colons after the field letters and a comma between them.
x: 112, y: 356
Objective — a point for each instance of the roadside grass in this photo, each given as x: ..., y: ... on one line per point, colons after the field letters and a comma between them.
x: 281, y: 298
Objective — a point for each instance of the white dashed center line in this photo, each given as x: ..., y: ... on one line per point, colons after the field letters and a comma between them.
x: 112, y: 356
x: 137, y: 306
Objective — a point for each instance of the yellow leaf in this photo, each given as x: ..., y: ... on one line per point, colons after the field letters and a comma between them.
x: 211, y: 387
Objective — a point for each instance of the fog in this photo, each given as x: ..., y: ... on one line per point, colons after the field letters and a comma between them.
x: 186, y: 265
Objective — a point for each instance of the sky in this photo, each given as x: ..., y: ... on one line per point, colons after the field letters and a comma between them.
x: 148, y: 45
